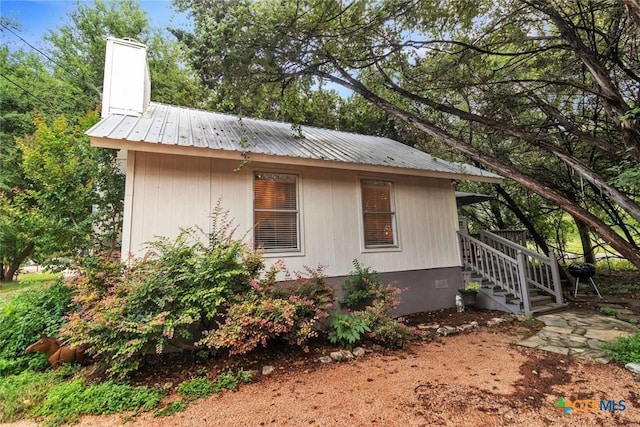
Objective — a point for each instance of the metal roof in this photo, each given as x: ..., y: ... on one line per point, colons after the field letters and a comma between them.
x: 187, y: 127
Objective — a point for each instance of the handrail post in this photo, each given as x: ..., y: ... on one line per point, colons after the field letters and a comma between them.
x: 555, y: 273
x: 522, y: 282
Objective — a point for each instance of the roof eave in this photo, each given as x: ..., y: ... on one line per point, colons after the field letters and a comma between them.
x: 151, y: 147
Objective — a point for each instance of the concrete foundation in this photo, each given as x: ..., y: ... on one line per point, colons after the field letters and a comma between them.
x: 424, y: 290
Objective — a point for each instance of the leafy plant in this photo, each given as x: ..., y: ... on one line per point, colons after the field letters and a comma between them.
x: 172, y: 408
x: 346, y: 329
x: 197, y: 388
x: 373, y: 301
x: 472, y: 286
x: 392, y: 334
x: 66, y: 401
x: 624, y: 350
x: 21, y: 393
x: 23, y: 317
x: 230, y: 381
x: 165, y: 298
x: 360, y: 287
x: 269, y: 312
x: 609, y: 311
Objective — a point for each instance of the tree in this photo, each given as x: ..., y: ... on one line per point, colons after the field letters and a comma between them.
x: 65, y: 83
x: 53, y: 214
x: 530, y: 89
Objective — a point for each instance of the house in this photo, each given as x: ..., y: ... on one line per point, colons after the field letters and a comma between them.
x: 306, y: 195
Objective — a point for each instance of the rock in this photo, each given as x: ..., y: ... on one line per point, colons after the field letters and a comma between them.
x: 424, y: 326
x: 325, y: 359
x: 377, y: 347
x: 347, y: 355
x: 267, y: 370
x: 495, y: 321
x: 167, y: 385
x: 474, y: 324
x: 336, y: 355
x: 633, y: 367
x: 358, y: 352
x: 447, y: 330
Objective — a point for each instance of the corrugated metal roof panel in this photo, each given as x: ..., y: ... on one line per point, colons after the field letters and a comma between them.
x: 172, y: 125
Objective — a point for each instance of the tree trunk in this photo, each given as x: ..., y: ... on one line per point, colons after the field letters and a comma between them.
x: 607, y: 190
x: 585, y: 239
x: 17, y: 262
x: 513, y: 207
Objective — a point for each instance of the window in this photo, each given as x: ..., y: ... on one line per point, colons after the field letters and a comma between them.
x: 378, y: 214
x: 275, y: 206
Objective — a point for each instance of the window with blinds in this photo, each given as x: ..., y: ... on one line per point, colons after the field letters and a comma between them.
x: 275, y: 206
x: 378, y: 214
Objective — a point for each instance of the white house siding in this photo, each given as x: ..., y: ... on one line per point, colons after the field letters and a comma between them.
x: 166, y: 193
x: 170, y: 192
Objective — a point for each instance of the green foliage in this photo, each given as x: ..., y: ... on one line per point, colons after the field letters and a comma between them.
x: 66, y: 401
x: 198, y: 388
x: 624, y: 350
x: 392, y: 334
x: 163, y: 299
x: 23, y: 317
x: 373, y: 302
x: 20, y: 394
x: 609, y: 311
x: 186, y: 293
x: 346, y: 329
x: 472, y: 286
x: 172, y: 408
x: 360, y: 287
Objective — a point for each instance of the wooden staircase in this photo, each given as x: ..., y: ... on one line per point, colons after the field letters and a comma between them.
x: 513, y: 278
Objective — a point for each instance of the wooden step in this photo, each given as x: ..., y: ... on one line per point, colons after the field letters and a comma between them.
x: 540, y: 300
x: 548, y: 308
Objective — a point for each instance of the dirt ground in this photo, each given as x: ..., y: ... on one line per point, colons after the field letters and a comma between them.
x: 477, y: 378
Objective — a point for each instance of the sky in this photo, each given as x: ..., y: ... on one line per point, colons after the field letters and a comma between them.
x: 36, y: 18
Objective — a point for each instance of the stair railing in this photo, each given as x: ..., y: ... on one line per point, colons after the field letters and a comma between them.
x: 493, y: 265
x: 516, y: 236
x: 539, y: 270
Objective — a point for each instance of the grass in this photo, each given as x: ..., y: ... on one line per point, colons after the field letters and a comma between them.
x: 609, y: 311
x: 26, y: 281
x: 58, y: 399
x: 624, y: 350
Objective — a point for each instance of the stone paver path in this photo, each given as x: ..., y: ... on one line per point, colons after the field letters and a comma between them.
x: 578, y: 334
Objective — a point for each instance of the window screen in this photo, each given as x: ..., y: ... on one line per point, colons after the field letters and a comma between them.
x: 378, y: 214
x: 275, y: 208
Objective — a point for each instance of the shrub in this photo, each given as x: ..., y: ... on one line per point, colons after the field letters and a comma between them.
x: 269, y: 312
x: 624, y: 350
x: 164, y: 299
x: 346, y: 329
x: 360, y: 287
x: 186, y: 293
x: 23, y: 317
x: 392, y: 334
x: 376, y: 301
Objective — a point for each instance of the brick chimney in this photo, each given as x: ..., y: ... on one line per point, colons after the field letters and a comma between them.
x: 127, y: 86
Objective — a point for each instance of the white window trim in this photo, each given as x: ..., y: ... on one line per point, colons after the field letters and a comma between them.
x: 279, y: 253
x: 396, y: 226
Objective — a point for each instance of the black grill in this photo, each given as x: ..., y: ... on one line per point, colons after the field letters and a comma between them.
x: 582, y: 270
